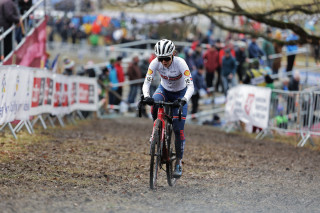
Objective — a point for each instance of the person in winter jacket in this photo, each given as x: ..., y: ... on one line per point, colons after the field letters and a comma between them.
x: 211, y: 63
x: 228, y: 70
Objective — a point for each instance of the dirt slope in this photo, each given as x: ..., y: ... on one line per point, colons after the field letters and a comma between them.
x: 102, y: 166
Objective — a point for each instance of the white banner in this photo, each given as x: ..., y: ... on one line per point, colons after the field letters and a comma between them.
x: 249, y: 104
x: 15, y: 97
x: 28, y: 91
x: 61, y: 94
x: 86, y: 93
x: 42, y: 92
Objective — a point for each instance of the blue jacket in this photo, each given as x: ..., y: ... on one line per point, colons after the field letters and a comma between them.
x: 229, y: 66
x: 198, y: 81
x: 254, y: 50
x: 292, y: 48
x: 113, y: 76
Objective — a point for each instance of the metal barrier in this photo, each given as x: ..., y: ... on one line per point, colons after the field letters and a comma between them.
x: 293, y: 112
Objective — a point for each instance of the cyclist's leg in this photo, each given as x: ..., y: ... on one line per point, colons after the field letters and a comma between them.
x: 159, y: 95
x: 178, y: 128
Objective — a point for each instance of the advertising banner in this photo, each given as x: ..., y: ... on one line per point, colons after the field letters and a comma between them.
x: 15, y: 97
x: 86, y: 92
x: 61, y: 86
x: 249, y: 104
x: 42, y: 92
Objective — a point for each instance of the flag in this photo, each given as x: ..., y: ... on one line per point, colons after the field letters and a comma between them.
x: 54, y: 64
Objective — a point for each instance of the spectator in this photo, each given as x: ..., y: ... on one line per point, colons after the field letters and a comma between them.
x: 104, y: 84
x: 228, y: 70
x: 230, y: 47
x: 255, y: 75
x: 89, y: 69
x: 218, y: 45
x: 24, y: 6
x: 316, y: 50
x: 199, y: 84
x: 9, y: 15
x: 268, y: 49
x: 278, y: 50
x: 285, y: 84
x: 254, y: 50
x: 134, y: 73
x: 294, y: 83
x: 211, y: 63
x: 68, y: 66
x: 120, y: 76
x: 291, y: 51
x: 241, y: 58
x: 113, y: 95
x: 198, y: 56
x: 189, y: 59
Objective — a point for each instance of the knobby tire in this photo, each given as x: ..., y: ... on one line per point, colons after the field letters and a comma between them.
x: 169, y: 165
x: 155, y: 155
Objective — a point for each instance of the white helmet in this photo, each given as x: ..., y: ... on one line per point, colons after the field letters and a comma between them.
x: 164, y: 48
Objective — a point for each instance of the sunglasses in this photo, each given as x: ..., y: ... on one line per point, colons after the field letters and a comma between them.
x: 164, y: 59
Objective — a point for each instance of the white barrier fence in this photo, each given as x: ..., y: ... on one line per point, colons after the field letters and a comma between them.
x: 276, y: 111
x: 27, y: 92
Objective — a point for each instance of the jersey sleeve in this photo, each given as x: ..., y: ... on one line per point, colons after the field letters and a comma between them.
x: 148, y: 79
x: 188, y: 80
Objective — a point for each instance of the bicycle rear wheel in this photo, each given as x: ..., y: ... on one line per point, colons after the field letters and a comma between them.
x: 155, y: 155
x: 172, y: 156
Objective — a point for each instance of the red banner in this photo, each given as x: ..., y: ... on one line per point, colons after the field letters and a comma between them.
x: 32, y: 53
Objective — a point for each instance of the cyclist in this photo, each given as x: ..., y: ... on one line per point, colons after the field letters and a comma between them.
x: 176, y: 86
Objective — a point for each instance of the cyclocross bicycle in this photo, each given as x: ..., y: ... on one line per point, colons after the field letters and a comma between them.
x: 161, y: 150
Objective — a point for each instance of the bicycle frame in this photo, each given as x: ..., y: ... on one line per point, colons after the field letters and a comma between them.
x: 161, y: 116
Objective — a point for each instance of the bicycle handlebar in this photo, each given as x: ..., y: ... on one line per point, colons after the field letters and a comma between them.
x: 163, y: 103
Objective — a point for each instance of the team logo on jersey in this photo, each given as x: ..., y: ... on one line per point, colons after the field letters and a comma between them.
x: 150, y: 72
x: 187, y: 73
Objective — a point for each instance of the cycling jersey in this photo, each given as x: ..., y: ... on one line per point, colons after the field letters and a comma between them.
x: 174, y: 78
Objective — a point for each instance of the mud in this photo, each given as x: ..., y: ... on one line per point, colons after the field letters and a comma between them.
x: 103, y: 166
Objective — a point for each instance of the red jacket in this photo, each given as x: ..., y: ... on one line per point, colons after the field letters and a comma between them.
x: 211, y: 60
x: 120, y: 73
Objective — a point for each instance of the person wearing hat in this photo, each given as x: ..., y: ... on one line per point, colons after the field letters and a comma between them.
x: 228, y: 70
x: 68, y: 66
x: 268, y: 48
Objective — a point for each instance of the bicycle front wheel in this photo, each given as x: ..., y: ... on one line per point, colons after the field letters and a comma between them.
x: 172, y: 156
x: 155, y: 155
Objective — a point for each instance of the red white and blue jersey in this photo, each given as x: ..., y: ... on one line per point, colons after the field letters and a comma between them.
x: 174, y: 78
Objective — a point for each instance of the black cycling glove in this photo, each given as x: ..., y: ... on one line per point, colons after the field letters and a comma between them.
x: 179, y: 102
x: 183, y: 101
x: 149, y: 100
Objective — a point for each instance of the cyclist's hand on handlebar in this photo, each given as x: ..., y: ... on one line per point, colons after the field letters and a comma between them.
x: 183, y: 101
x: 149, y: 100
x: 179, y: 102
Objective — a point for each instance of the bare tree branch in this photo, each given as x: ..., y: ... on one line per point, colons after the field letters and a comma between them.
x: 271, y: 18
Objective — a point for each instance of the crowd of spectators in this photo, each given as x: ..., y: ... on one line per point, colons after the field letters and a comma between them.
x: 217, y: 66
x: 218, y: 63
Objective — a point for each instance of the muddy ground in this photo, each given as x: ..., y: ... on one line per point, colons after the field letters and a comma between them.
x: 103, y: 166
